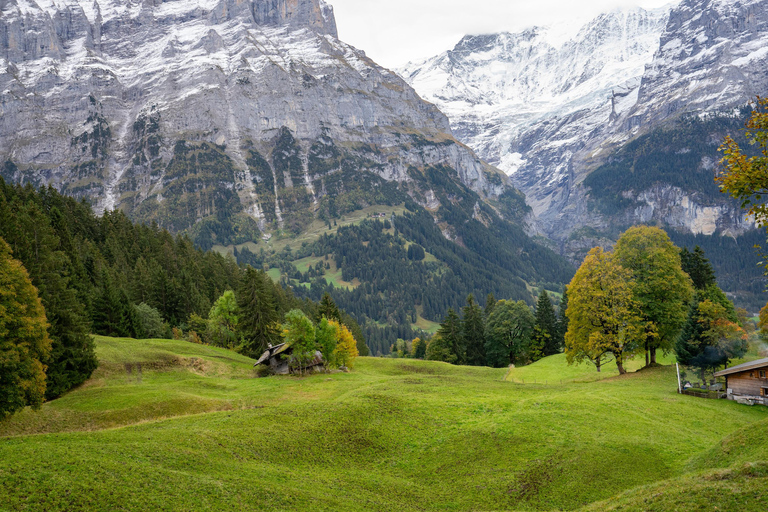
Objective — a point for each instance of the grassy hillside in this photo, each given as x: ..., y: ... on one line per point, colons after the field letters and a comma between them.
x: 194, y: 430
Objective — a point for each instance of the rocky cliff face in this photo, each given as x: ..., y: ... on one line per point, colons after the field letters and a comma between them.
x: 179, y: 110
x: 556, y: 111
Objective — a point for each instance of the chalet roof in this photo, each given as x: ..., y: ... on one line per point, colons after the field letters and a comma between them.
x: 271, y: 352
x: 759, y: 363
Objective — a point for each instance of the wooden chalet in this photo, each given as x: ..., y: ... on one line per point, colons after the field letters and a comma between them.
x: 748, y: 382
x: 281, y: 361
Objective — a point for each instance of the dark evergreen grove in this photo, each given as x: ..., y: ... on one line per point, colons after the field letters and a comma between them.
x: 93, y: 273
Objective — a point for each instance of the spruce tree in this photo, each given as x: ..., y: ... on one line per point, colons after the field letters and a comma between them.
x: 490, y: 303
x: 473, y: 332
x: 697, y: 267
x: 259, y: 323
x: 546, y: 335
x: 450, y: 332
x: 327, y: 309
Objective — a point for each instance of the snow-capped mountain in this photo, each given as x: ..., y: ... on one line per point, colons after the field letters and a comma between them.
x: 548, y: 112
x: 128, y: 103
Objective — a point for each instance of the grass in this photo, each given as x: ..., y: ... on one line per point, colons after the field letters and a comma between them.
x: 555, y: 369
x: 197, y: 431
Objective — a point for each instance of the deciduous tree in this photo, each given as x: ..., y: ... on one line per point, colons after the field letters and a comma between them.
x: 711, y: 336
x: 346, y: 347
x: 603, y: 316
x: 24, y: 342
x: 223, y: 319
x: 746, y: 177
x: 660, y: 288
x: 299, y: 333
x: 508, y: 333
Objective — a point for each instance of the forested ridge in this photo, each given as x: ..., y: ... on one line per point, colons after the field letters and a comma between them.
x: 407, y: 268
x: 106, y: 275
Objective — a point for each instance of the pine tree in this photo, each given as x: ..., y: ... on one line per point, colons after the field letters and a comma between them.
x: 697, y: 267
x: 545, y: 330
x: 259, y: 320
x: 113, y: 314
x: 327, y: 309
x: 490, y: 303
x: 473, y: 332
x: 450, y: 333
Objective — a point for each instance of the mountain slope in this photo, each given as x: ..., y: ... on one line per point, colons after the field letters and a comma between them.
x: 175, y: 111
x: 236, y: 121
x: 526, y: 101
x: 644, y: 69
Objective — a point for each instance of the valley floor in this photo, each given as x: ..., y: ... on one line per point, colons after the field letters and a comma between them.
x: 169, y: 425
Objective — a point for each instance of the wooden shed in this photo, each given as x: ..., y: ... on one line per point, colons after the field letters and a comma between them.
x: 281, y: 361
x: 748, y: 382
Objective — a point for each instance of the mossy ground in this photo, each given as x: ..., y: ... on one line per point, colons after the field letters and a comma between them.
x: 195, y: 430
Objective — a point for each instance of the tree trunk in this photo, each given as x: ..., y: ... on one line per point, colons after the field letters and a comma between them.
x: 653, y: 355
x: 646, y: 352
x: 620, y: 364
x: 597, y: 363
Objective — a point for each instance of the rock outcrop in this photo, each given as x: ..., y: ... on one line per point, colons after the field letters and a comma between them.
x: 179, y: 110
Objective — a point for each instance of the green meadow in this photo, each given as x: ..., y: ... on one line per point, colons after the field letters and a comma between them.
x: 169, y: 425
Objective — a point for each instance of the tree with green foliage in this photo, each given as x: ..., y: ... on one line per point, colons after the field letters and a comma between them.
x: 150, y: 320
x: 223, y: 320
x: 473, y: 332
x: 35, y: 228
x: 603, y: 316
x: 439, y: 349
x: 508, y: 333
x: 450, y: 333
x: 711, y: 336
x: 24, y: 342
x: 697, y: 267
x: 326, y: 336
x: 299, y: 334
x: 258, y: 324
x: 418, y: 348
x: 545, y: 340
x: 661, y: 289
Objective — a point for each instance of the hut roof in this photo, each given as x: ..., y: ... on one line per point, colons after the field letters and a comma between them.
x: 759, y: 363
x: 272, y: 352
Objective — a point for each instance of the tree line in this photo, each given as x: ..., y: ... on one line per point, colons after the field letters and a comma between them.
x: 504, y: 332
x: 106, y: 275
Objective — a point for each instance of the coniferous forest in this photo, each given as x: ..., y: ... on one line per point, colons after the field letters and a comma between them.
x: 105, y: 275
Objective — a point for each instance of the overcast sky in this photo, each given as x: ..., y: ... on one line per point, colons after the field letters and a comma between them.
x: 394, y: 32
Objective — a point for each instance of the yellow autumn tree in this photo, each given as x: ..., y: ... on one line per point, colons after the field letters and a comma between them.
x: 346, y: 346
x: 603, y: 316
x: 24, y: 342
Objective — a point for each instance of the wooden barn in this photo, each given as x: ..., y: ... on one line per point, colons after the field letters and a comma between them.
x: 748, y: 382
x: 281, y: 362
